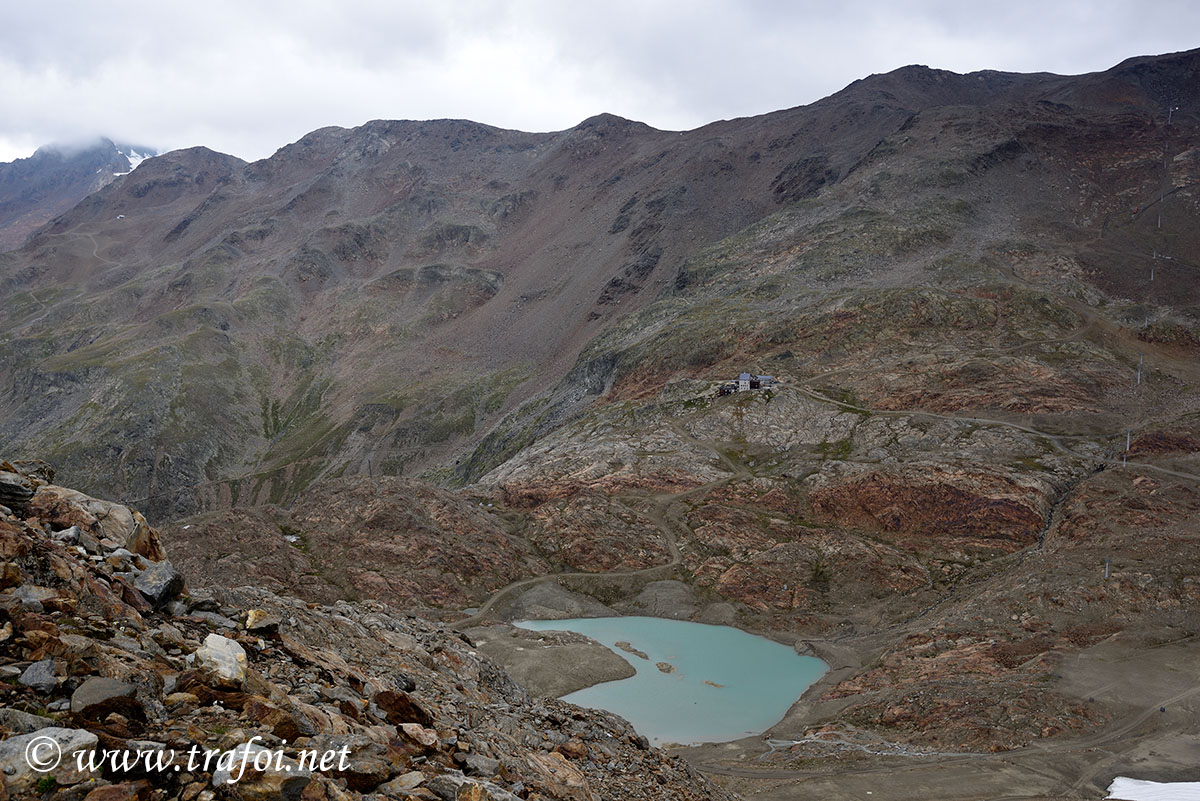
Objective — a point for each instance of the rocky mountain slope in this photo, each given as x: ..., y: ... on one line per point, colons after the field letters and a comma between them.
x: 35, y: 190
x: 377, y: 300
x: 105, y: 650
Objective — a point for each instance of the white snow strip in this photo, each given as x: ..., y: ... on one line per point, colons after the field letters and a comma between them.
x: 1141, y: 790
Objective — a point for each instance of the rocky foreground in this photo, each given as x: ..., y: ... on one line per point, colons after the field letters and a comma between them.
x: 104, y: 649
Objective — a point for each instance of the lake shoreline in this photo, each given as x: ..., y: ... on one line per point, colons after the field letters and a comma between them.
x: 691, y: 677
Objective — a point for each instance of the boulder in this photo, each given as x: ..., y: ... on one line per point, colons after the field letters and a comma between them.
x: 69, y: 536
x: 33, y: 597
x: 22, y: 722
x: 478, y: 764
x: 427, y: 738
x: 224, y: 660
x: 145, y: 541
x: 96, y: 691
x: 41, y: 676
x: 399, y: 707
x: 261, y: 622
x: 453, y: 786
x: 15, y: 489
x: 280, y: 779
x: 160, y: 583
x: 10, y: 575
x: 555, y: 769
x: 27, y: 758
x: 402, y: 783
x: 281, y: 722
x: 573, y: 748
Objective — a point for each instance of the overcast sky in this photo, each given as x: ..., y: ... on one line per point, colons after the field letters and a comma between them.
x: 247, y: 77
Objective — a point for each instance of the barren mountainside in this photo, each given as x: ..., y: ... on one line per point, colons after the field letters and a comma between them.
x: 479, y: 372
x: 377, y: 300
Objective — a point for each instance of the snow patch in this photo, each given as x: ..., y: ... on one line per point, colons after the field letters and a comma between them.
x: 135, y: 158
x: 1141, y: 790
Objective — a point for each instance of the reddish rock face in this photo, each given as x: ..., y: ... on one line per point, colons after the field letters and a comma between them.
x: 935, y: 508
x: 593, y: 531
x: 1164, y: 442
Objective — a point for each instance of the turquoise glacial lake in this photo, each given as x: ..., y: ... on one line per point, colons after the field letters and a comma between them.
x: 726, y: 684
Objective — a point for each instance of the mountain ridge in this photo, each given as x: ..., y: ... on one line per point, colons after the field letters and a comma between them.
x: 340, y: 206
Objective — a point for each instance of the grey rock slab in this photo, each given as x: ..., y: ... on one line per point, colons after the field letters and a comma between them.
x: 97, y: 690
x: 26, y: 758
x: 479, y: 765
x: 41, y: 676
x: 549, y: 601
x: 403, y: 782
x: 214, y: 619
x: 68, y: 535
x: 159, y: 583
x: 31, y: 596
x: 22, y: 722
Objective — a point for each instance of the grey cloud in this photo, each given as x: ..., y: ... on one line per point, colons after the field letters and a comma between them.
x: 249, y: 77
